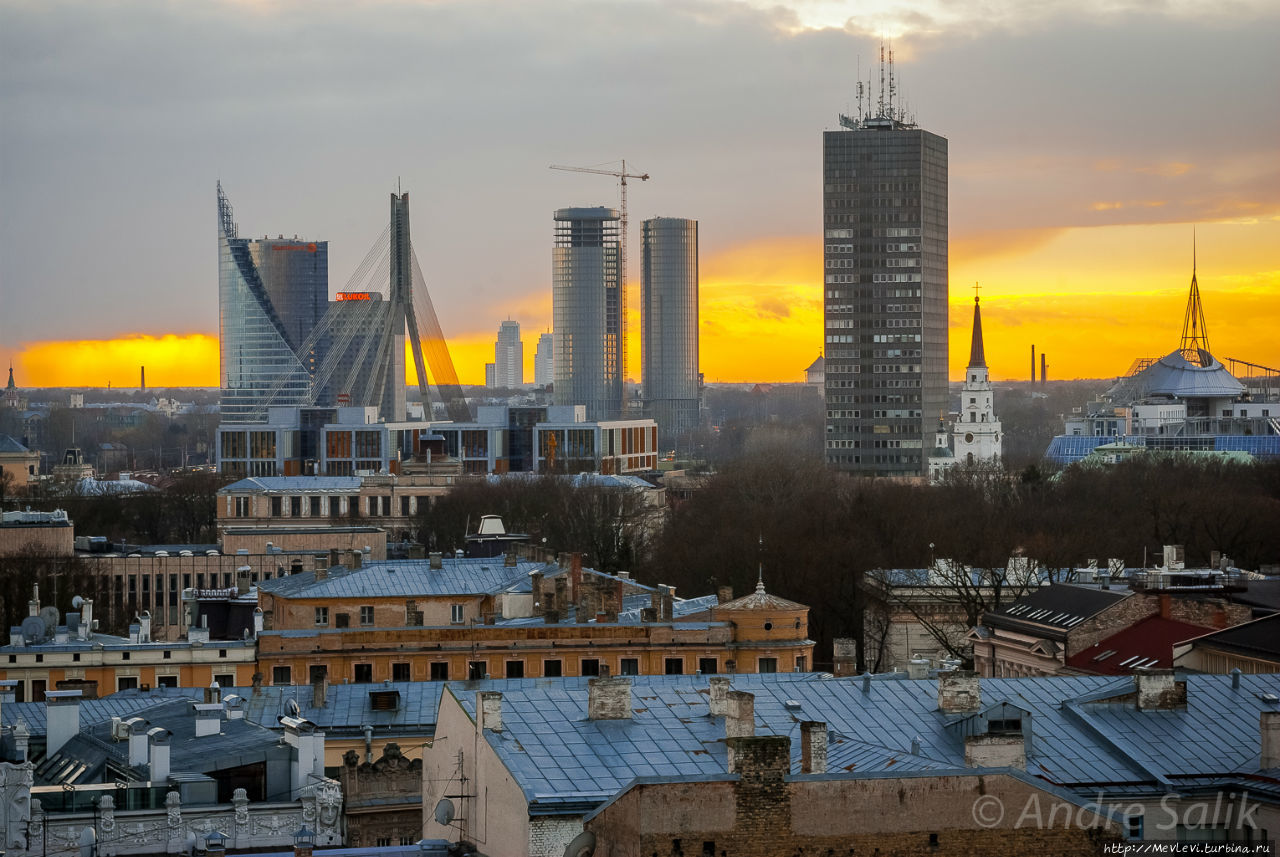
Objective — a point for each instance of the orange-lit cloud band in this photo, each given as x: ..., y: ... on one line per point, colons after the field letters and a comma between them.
x: 1093, y: 300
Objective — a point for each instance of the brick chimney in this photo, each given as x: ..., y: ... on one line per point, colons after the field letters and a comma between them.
x: 813, y: 747
x: 535, y: 585
x: 575, y: 574
x: 996, y: 750
x: 740, y: 714
x: 766, y: 759
x: 609, y: 698
x: 436, y: 559
x: 668, y: 602
x: 724, y: 594
x: 959, y: 692
x: 509, y: 559
x: 319, y: 689
x: 1158, y: 690
x: 718, y: 705
x: 1269, y: 727
x: 489, y: 710
x: 335, y: 557
x: 243, y: 579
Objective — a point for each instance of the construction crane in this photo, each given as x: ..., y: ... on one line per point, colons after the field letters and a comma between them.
x: 621, y: 175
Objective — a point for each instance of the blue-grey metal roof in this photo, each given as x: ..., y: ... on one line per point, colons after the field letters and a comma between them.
x: 347, y: 707
x: 405, y: 578
x: 293, y: 485
x: 1174, y: 375
x: 1081, y: 737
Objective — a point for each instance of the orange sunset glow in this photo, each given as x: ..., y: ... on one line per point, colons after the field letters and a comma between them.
x: 1092, y: 300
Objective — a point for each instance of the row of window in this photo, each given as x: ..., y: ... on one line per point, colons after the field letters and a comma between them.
x: 362, y: 673
x: 319, y: 506
x: 38, y: 686
x: 412, y: 617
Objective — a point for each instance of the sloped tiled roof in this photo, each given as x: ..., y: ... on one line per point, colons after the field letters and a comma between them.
x: 1147, y: 644
x: 9, y: 444
x: 1055, y: 609
x: 1082, y: 732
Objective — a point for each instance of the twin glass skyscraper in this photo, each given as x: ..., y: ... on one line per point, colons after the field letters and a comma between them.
x: 669, y: 271
x: 885, y: 294
x: 587, y: 311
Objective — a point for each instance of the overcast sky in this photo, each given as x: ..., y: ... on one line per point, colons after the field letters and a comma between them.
x: 117, y: 119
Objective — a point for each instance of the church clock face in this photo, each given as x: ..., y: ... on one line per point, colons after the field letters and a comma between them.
x: 968, y: 437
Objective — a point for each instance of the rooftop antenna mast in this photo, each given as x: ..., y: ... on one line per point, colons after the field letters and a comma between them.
x: 880, y: 100
x: 893, y: 89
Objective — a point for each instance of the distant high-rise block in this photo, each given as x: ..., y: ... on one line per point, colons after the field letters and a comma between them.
x: 670, y: 319
x: 490, y: 375
x: 587, y: 310
x: 508, y: 356
x: 544, y: 367
x: 885, y: 294
x: 271, y: 295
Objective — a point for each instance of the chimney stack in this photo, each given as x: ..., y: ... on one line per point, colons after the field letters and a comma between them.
x: 86, y: 618
x: 158, y: 739
x: 208, y: 718
x: 489, y: 709
x: 1159, y: 690
x: 760, y: 762
x: 740, y: 714
x: 242, y: 579
x: 718, y: 705
x: 319, y: 690
x: 609, y: 698
x: 1269, y: 727
x: 62, y: 718
x: 724, y: 594
x: 137, y: 740
x: 535, y: 585
x: 959, y: 692
x: 813, y: 747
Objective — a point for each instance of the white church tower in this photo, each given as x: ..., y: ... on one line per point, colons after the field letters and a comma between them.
x: 976, y: 435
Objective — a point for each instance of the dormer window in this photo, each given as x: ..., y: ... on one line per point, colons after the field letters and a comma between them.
x: 1010, y: 726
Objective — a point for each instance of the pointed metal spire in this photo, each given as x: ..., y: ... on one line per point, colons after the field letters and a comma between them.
x: 977, y: 357
x: 760, y: 568
x: 1195, y: 335
x: 11, y: 384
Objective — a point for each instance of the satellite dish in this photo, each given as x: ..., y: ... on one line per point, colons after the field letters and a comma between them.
x: 33, y: 629
x: 444, y: 812
x: 50, y: 616
x: 77, y: 602
x: 583, y: 845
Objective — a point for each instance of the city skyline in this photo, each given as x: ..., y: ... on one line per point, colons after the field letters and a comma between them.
x: 1086, y: 140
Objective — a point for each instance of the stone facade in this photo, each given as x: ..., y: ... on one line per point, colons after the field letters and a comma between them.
x: 764, y: 811
x: 383, y: 798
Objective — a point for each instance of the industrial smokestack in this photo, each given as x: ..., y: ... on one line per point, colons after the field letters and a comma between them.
x: 1044, y: 369
x: 142, y: 378
x: 1033, y: 364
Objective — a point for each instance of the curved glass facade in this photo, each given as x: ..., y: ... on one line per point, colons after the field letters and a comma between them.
x: 271, y: 294
x: 670, y: 325
x: 587, y: 311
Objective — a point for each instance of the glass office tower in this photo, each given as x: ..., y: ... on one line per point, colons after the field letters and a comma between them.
x: 508, y: 355
x: 587, y: 311
x: 670, y: 326
x: 271, y: 294
x: 885, y: 294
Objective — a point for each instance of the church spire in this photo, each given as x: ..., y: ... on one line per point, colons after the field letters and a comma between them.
x: 11, y: 386
x: 976, y: 355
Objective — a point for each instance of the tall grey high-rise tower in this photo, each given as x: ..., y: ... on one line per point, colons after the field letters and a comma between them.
x: 885, y: 292
x: 544, y: 364
x: 669, y: 263
x: 508, y: 355
x: 587, y: 308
